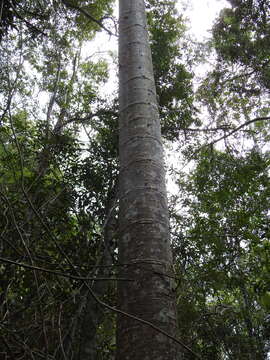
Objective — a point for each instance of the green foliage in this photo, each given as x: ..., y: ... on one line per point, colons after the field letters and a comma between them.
x: 221, y: 247
x: 96, y: 9
x: 7, y: 17
x: 52, y: 207
x: 241, y: 35
x: 58, y: 180
x: 172, y: 75
x: 236, y: 89
x: 39, y: 19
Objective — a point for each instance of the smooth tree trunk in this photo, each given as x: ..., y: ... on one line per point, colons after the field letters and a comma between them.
x: 144, y: 245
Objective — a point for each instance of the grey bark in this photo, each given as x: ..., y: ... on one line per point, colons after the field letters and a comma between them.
x: 143, y: 218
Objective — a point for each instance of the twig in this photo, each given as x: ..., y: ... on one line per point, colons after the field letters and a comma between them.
x: 221, y: 128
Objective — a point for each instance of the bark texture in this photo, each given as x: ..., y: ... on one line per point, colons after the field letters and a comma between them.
x: 144, y: 222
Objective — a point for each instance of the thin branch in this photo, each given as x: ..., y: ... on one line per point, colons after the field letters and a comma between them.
x: 89, y: 16
x: 89, y: 117
x: 221, y: 128
x: 142, y: 321
x: 265, y: 118
x: 31, y: 267
x: 11, y: 245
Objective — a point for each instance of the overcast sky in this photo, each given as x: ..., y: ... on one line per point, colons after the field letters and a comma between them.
x: 202, y: 14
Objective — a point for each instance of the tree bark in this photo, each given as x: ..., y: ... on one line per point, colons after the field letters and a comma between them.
x: 143, y: 219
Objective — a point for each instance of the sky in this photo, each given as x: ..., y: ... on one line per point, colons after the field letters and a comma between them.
x: 202, y: 14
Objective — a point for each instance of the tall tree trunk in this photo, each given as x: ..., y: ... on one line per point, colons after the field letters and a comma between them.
x: 143, y: 219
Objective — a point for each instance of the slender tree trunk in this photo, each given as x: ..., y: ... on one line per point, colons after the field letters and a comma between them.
x: 143, y: 219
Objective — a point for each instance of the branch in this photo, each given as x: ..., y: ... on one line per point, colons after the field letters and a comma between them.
x: 142, y: 321
x: 87, y: 118
x: 86, y: 14
x: 225, y: 136
x: 223, y: 128
x: 239, y: 128
x: 31, y: 267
